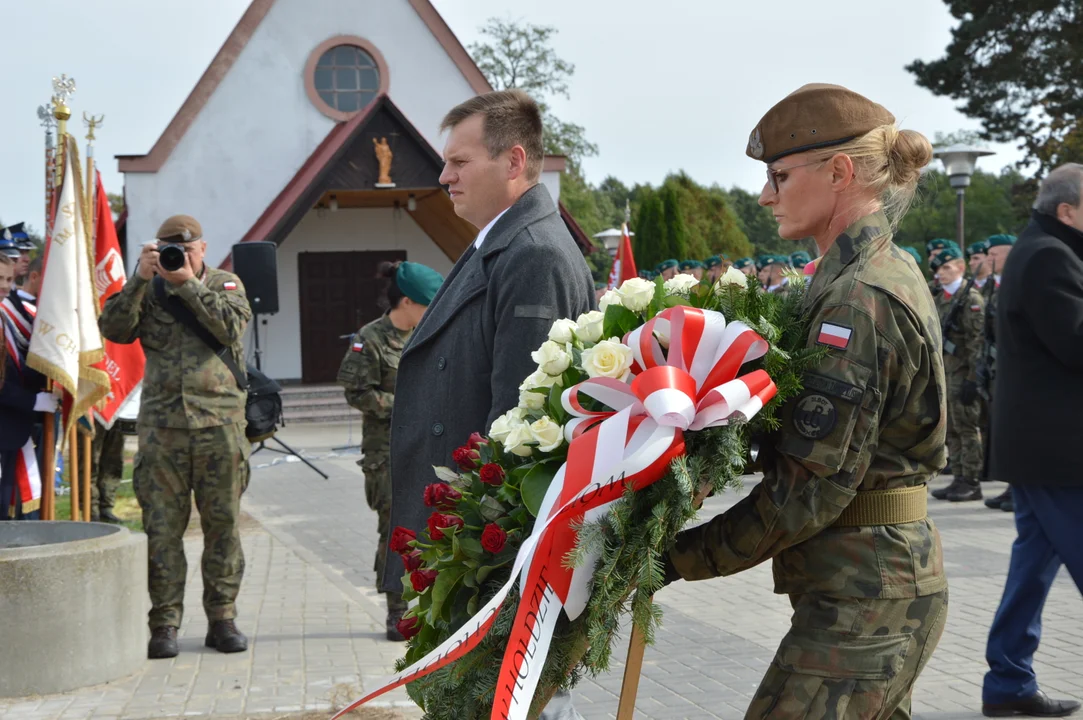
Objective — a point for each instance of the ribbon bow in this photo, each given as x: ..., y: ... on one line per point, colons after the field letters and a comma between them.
x: 692, y: 387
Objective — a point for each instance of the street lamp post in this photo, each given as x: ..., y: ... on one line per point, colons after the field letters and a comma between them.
x: 959, y: 163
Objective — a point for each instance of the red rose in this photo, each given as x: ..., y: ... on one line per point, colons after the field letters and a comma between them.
x: 465, y: 457
x: 408, y: 626
x: 400, y: 536
x: 438, y: 522
x: 422, y: 579
x: 442, y: 495
x: 412, y: 561
x: 493, y: 538
x: 492, y: 474
x: 476, y: 441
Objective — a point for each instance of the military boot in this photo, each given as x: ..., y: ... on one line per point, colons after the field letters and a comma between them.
x: 970, y: 489
x: 163, y: 643
x: 942, y: 493
x: 995, y: 503
x: 107, y: 515
x: 396, y: 608
x: 224, y: 637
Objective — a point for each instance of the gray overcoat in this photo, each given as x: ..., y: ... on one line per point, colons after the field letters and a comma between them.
x: 463, y: 365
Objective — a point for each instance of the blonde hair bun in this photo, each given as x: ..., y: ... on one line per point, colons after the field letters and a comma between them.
x: 908, y: 151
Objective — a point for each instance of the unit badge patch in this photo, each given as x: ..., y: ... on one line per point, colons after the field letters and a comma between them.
x: 815, y: 416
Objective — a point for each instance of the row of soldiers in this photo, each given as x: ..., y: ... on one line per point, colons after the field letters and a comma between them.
x: 965, y: 287
x: 769, y: 269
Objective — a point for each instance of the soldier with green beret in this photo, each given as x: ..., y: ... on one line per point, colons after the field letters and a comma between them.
x: 746, y: 265
x: 961, y: 310
x: 975, y: 259
x: 912, y: 253
x: 191, y: 429
x: 772, y: 272
x: 842, y: 504
x: 800, y: 259
x: 714, y: 268
x: 693, y: 268
x: 997, y: 249
x: 668, y: 268
x: 368, y: 372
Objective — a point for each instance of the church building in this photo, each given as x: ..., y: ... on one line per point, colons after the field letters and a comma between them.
x: 284, y: 138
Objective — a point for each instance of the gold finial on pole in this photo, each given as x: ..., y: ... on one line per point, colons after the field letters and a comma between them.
x: 92, y: 123
x: 63, y: 88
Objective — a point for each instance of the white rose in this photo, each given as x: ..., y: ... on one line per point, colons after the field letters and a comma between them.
x: 589, y: 326
x: 507, y: 422
x: 680, y: 284
x: 561, y: 332
x: 663, y: 337
x: 516, y: 440
x: 529, y: 400
x: 732, y: 276
x: 547, y: 433
x: 611, y: 297
x: 636, y: 294
x: 552, y: 358
x: 608, y: 358
x: 538, y: 379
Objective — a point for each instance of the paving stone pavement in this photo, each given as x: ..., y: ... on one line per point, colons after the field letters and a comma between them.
x: 316, y: 625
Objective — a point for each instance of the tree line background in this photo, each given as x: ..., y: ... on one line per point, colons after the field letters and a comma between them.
x: 1015, y: 67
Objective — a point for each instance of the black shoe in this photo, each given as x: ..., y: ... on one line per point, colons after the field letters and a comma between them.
x: 107, y: 515
x: 163, y: 643
x: 942, y: 493
x: 394, y: 616
x: 224, y: 637
x: 1008, y: 505
x: 994, y: 503
x: 969, y: 489
x: 1037, y: 705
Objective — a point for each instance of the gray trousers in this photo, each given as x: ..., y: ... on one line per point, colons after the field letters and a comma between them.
x: 560, y: 707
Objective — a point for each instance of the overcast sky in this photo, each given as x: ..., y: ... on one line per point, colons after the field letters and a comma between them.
x: 658, y: 86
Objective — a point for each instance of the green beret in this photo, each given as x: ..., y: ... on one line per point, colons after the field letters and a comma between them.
x: 712, y: 262
x: 418, y: 282
x: 800, y: 259
x: 948, y: 254
x: 741, y: 263
x: 913, y: 253
x: 776, y: 260
x: 600, y: 285
x: 814, y: 116
x: 978, y: 248
x: 667, y: 264
x: 938, y: 244
x: 646, y: 274
x: 998, y: 240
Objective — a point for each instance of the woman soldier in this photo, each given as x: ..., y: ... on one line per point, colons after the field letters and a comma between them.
x: 368, y: 374
x: 841, y: 508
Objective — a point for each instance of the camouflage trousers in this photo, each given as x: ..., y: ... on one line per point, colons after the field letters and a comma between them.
x: 852, y: 658
x: 964, y: 436
x: 107, y: 466
x: 377, y: 469
x: 171, y: 466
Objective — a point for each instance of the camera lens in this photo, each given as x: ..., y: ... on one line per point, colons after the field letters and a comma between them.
x: 171, y: 257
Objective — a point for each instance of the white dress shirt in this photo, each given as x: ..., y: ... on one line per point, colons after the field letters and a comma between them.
x: 485, y: 230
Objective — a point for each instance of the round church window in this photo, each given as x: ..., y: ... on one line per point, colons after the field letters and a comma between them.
x: 344, y: 75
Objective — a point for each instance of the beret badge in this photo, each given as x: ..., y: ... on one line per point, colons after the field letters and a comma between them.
x: 755, y: 144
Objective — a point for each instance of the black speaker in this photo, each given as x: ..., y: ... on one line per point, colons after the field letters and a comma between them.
x: 254, y: 264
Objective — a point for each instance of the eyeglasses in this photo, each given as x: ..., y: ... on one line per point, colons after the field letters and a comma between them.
x: 772, y: 173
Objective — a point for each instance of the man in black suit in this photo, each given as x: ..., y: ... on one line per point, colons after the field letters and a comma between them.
x: 463, y: 365
x: 1037, y: 424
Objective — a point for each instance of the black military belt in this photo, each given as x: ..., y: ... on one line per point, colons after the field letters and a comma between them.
x: 885, y: 507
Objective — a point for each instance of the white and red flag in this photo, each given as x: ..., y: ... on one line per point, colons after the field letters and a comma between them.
x: 624, y: 263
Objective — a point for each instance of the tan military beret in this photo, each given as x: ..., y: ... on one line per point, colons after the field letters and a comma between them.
x: 812, y: 117
x: 180, y: 228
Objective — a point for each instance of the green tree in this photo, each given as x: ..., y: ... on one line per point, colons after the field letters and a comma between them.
x: 650, y: 244
x: 520, y: 56
x: 712, y: 225
x: 1016, y: 67
x: 757, y: 223
x: 116, y: 203
x: 677, y: 239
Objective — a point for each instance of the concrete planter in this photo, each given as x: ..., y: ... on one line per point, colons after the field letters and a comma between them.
x: 73, y: 604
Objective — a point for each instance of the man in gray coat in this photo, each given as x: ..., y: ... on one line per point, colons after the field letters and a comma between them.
x: 462, y: 367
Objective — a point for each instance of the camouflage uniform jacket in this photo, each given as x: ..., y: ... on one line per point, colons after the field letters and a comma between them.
x: 964, y: 341
x: 368, y: 373
x: 185, y: 385
x: 872, y: 416
x: 990, y: 291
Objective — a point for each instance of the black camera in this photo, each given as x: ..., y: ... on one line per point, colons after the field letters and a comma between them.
x: 171, y: 257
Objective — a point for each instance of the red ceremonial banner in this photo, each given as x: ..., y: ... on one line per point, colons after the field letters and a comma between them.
x: 122, y: 363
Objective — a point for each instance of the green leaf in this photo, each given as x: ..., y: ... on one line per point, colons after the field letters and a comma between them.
x: 446, y: 582
x: 618, y: 321
x: 471, y: 547
x: 535, y: 485
x: 491, y: 509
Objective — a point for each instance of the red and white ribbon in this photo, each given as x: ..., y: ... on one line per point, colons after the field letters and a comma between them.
x: 631, y: 444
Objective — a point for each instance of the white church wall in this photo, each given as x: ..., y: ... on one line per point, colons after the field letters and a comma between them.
x: 259, y: 126
x: 345, y: 230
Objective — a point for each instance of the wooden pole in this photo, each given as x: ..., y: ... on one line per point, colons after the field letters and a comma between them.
x: 86, y: 477
x: 48, y: 470
x: 73, y: 472
x: 633, y: 668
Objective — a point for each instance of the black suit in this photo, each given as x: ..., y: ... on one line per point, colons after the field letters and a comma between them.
x: 463, y: 364
x: 18, y: 394
x: 1037, y: 427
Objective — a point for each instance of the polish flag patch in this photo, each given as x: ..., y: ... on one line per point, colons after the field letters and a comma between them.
x: 975, y: 308
x: 834, y: 335
x: 358, y: 346
x: 229, y: 286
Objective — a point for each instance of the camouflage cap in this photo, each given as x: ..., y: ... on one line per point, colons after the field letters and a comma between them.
x: 948, y: 254
x: 712, y: 262
x: 812, y: 117
x: 741, y: 263
x: 999, y: 240
x: 180, y: 228
x: 978, y: 248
